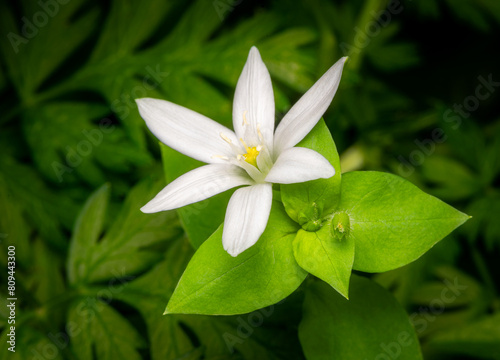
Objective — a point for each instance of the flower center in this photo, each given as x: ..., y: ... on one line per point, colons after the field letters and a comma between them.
x: 251, y: 155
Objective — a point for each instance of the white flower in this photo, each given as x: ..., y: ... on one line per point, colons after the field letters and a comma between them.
x: 254, y: 154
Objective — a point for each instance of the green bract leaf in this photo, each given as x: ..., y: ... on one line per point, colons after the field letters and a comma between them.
x: 326, y: 257
x: 371, y: 325
x: 217, y: 283
x: 392, y: 221
x: 307, y: 202
x: 212, y: 337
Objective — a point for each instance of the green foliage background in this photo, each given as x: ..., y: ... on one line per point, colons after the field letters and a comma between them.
x: 77, y: 162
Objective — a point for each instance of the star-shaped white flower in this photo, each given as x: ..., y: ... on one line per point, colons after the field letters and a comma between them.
x: 254, y: 155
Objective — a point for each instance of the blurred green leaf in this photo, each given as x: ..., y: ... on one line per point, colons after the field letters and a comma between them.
x: 14, y: 228
x: 88, y: 229
x: 127, y: 26
x: 395, y: 56
x: 463, y: 289
x: 449, y: 179
x: 451, y: 299
x: 371, y: 324
x: 476, y: 13
x: 480, y: 339
x: 47, y: 281
x: 128, y: 246
x: 38, y: 342
x: 485, y: 222
x: 101, y: 330
x: 390, y: 55
x: 30, y: 54
x: 45, y: 210
x: 64, y: 140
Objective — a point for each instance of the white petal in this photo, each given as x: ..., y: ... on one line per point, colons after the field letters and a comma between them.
x: 196, y: 185
x: 254, y: 102
x: 297, y: 165
x: 305, y: 114
x: 246, y: 217
x: 186, y: 131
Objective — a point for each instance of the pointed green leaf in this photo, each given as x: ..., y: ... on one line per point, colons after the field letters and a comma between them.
x: 322, y: 194
x: 325, y: 256
x: 212, y: 337
x: 392, y: 221
x: 371, y: 325
x: 217, y: 283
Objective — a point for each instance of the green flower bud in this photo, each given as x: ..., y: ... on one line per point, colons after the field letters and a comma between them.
x: 309, y: 218
x: 341, y: 226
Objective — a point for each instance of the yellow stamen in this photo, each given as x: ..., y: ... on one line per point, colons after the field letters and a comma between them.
x: 244, y: 144
x: 251, y: 156
x: 252, y: 153
x: 258, y: 131
x: 245, y: 122
x: 225, y: 138
x: 220, y: 157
